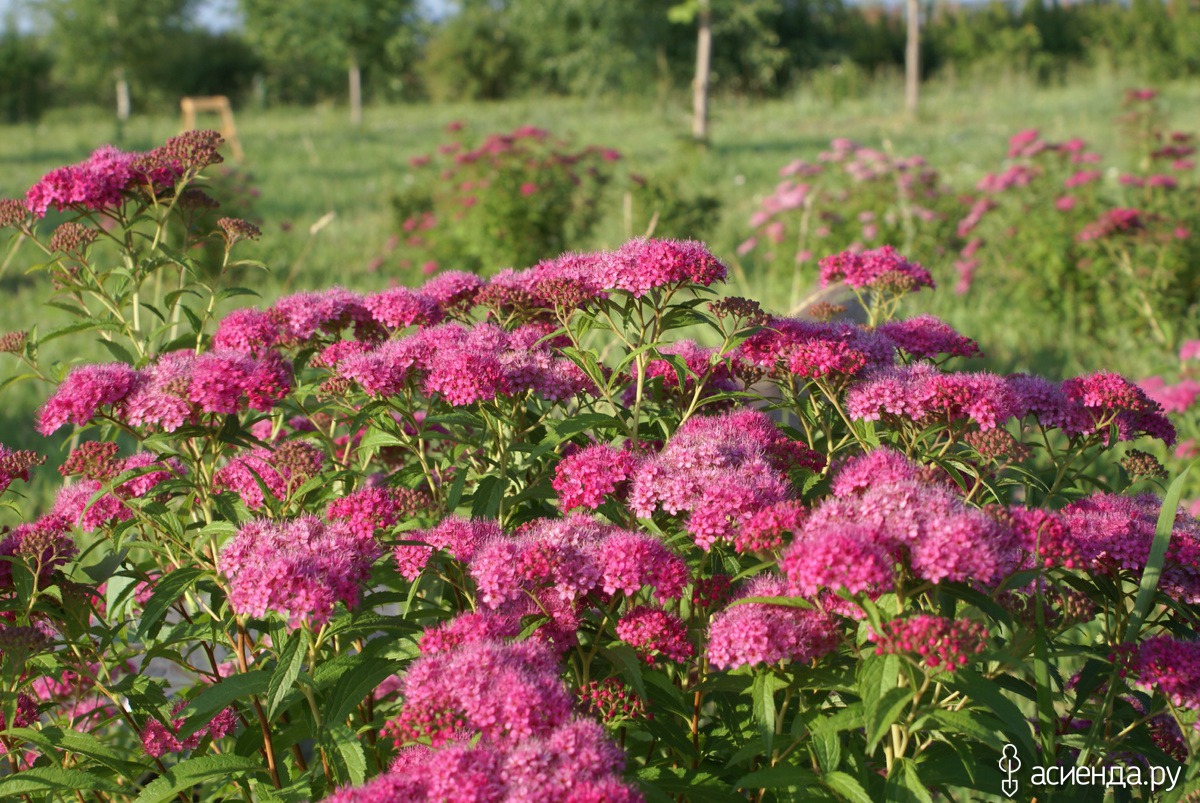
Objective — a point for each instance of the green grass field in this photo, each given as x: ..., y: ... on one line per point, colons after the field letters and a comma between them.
x: 310, y: 163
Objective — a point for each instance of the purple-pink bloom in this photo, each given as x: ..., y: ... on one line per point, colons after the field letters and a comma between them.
x: 84, y: 391
x: 926, y: 337
x: 401, y: 307
x: 586, y: 477
x: 755, y: 633
x: 876, y: 268
x: 653, y: 632
x: 458, y: 537
x: 720, y: 469
x: 641, y: 265
x: 299, y: 569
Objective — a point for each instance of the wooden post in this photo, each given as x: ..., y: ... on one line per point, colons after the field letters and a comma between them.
x: 912, y: 58
x: 703, y: 67
x: 220, y: 105
x: 355, y: 91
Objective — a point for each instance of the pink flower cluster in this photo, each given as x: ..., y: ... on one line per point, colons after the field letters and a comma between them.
x: 1113, y: 222
x: 104, y: 178
x: 465, y: 366
x: 884, y: 513
x: 585, y: 478
x: 89, y: 505
x: 703, y: 365
x: 1114, y: 533
x: 15, y: 465
x: 879, y: 268
x: 562, y: 562
x: 280, y: 470
x: 720, y: 470
x: 159, y: 739
x: 926, y: 337
x: 653, y: 632
x: 176, y: 390
x: 370, y: 509
x: 753, y: 633
x: 922, y: 394
x: 300, y: 568
x: 469, y: 628
x: 1171, y: 666
x: 530, y: 745
x: 458, y: 537
x: 940, y: 643
x: 816, y: 350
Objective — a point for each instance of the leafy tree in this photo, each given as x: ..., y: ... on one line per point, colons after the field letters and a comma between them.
x: 24, y: 77
x: 116, y: 43
x: 306, y: 44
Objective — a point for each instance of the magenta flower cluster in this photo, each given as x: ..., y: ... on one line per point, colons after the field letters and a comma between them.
x: 720, y: 470
x: 937, y: 642
x: 752, y: 633
x: 178, y: 389
x: 530, y: 744
x: 299, y: 569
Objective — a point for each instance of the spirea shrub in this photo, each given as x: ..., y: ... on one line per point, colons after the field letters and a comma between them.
x: 508, y: 200
x: 1105, y: 245
x: 585, y: 531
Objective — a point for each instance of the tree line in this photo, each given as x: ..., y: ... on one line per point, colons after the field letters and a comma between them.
x: 147, y: 53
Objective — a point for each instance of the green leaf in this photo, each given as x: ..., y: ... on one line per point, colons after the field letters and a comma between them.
x: 485, y: 504
x: 885, y: 714
x: 205, y: 705
x: 53, y: 779
x: 367, y: 670
x: 904, y: 785
x: 117, y: 350
x: 291, y: 658
x: 1158, y: 554
x: 762, y: 695
x: 350, y: 749
x: 827, y: 746
x: 86, y: 325
x: 166, y: 591
x: 189, y: 773
x: 847, y: 786
x: 877, y: 675
x: 973, y: 724
x: 781, y: 776
x: 986, y: 693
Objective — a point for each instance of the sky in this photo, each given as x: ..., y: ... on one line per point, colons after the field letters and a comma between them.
x: 216, y: 15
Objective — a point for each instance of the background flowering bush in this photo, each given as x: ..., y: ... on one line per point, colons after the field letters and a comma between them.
x: 586, y: 530
x: 1056, y: 226
x: 506, y: 201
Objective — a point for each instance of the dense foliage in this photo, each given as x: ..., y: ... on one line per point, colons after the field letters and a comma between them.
x: 486, y: 539
x: 482, y: 50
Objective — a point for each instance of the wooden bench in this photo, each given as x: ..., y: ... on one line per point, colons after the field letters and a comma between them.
x: 220, y: 105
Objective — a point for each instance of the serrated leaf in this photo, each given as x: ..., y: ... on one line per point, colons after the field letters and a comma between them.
x: 885, y: 714
x: 193, y: 771
x: 366, y: 671
x: 350, y: 749
x: 485, y: 503
x: 781, y: 776
x: 904, y: 785
x: 847, y: 786
x: 53, y: 779
x: 291, y: 658
x: 201, y: 708
x: 827, y: 747
x: 167, y: 589
x: 971, y: 723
